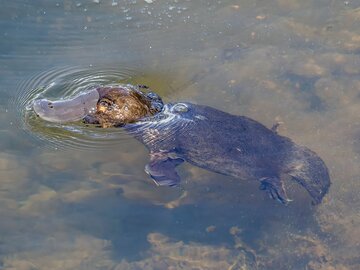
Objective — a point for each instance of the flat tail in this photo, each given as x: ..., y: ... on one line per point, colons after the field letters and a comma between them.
x: 310, y: 171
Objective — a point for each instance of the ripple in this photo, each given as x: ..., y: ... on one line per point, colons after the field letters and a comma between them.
x: 67, y: 82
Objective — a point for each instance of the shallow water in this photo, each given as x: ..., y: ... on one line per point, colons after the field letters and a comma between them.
x: 78, y: 198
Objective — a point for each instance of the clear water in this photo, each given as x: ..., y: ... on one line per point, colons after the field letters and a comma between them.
x: 72, y: 198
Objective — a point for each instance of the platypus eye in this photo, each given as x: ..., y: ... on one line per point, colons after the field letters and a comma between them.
x: 180, y: 107
x: 105, y: 103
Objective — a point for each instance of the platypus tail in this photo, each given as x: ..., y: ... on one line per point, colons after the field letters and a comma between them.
x: 308, y: 169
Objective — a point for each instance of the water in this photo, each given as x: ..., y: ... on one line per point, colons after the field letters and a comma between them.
x: 77, y: 198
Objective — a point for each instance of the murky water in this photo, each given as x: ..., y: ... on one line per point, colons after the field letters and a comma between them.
x: 78, y: 198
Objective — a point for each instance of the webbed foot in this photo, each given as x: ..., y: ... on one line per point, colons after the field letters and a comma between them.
x: 161, y: 168
x: 275, y: 188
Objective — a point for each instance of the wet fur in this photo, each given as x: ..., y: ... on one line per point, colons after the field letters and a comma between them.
x: 118, y: 106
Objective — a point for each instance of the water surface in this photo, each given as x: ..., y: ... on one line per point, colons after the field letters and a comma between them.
x: 77, y: 198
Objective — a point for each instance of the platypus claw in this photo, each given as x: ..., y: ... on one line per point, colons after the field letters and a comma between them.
x: 275, y: 188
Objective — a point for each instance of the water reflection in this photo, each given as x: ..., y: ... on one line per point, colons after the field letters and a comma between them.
x: 291, y: 61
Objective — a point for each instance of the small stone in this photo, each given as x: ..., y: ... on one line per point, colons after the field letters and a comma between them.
x: 211, y: 228
x: 260, y: 17
x: 235, y: 230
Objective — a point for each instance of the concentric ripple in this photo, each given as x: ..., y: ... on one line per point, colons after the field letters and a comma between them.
x: 55, y: 84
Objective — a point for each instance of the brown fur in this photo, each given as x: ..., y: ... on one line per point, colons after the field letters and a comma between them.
x: 118, y: 106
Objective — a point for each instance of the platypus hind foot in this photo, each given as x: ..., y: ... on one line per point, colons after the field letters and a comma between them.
x: 275, y: 188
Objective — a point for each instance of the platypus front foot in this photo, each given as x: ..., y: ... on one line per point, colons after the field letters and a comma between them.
x: 161, y: 168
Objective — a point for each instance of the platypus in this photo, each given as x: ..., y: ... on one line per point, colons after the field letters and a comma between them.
x: 201, y: 135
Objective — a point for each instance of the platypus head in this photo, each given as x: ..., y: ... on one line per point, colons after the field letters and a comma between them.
x: 118, y: 106
x: 108, y: 106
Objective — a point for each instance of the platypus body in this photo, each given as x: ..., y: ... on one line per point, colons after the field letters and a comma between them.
x: 211, y: 139
x: 228, y: 144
